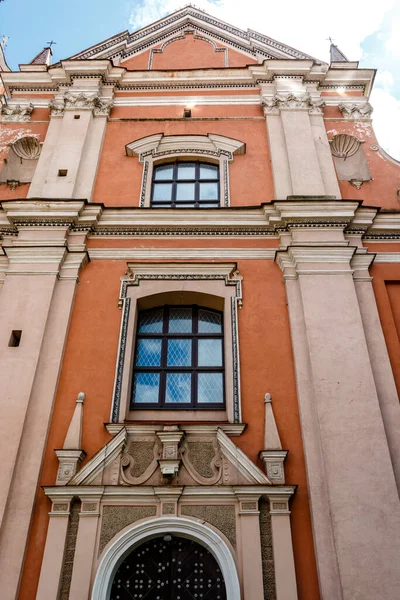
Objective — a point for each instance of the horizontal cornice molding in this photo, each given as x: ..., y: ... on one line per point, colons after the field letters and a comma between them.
x: 58, y: 78
x: 265, y: 220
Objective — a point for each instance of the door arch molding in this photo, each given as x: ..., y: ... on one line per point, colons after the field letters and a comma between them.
x: 183, y: 527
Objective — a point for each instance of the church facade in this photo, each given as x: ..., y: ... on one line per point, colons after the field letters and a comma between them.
x: 199, y: 323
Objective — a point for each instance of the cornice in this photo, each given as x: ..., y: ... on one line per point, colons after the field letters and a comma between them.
x: 231, y: 429
x: 58, y: 78
x: 265, y: 220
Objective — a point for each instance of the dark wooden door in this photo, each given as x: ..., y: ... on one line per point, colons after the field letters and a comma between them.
x: 169, y: 568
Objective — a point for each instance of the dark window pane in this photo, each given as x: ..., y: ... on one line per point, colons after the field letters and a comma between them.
x: 180, y: 320
x: 209, y: 322
x: 164, y: 172
x: 186, y: 171
x: 210, y: 353
x: 178, y: 388
x: 179, y: 353
x: 185, y: 191
x: 145, y: 388
x: 162, y: 191
x: 151, y: 322
x: 209, y: 388
x: 148, y: 353
x: 209, y: 191
x: 208, y: 172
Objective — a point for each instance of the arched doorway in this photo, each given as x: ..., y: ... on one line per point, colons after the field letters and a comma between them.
x: 169, y: 568
x: 136, y: 535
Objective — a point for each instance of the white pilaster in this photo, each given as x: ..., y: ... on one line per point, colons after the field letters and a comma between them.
x: 355, y: 506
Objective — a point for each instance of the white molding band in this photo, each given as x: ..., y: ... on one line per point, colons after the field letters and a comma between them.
x: 182, y: 253
x: 187, y: 528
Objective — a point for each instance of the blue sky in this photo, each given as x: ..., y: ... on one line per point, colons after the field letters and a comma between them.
x: 364, y: 31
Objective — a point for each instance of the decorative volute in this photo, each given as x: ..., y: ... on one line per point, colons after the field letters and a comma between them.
x: 71, y: 454
x: 272, y: 456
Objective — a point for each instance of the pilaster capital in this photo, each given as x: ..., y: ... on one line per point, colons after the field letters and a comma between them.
x: 16, y: 113
x: 361, y: 263
x: 356, y: 111
x: 272, y: 105
x: 79, y: 100
x: 314, y: 260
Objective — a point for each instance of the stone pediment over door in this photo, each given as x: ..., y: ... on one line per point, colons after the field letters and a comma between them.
x: 159, y: 455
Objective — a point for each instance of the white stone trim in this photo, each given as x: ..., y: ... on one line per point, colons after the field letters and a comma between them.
x: 241, y: 461
x: 179, y: 253
x: 215, y: 148
x: 387, y: 257
x: 137, y: 534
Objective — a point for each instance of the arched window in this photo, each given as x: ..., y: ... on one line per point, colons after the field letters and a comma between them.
x: 185, y: 185
x: 179, y: 359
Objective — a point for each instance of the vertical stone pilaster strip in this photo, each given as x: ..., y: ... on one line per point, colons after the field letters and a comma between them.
x: 324, y: 539
x: 53, y: 560
x: 380, y: 362
x: 285, y: 575
x: 279, y: 157
x: 324, y: 155
x: 252, y: 568
x: 345, y: 423
x: 84, y: 549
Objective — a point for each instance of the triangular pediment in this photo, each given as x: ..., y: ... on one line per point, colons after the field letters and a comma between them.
x: 189, y: 19
x: 154, y: 456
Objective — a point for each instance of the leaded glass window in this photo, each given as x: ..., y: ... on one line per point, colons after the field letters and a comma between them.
x: 179, y: 359
x: 185, y: 185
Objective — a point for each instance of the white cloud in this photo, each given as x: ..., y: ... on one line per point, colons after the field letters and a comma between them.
x: 307, y: 29
x: 386, y: 115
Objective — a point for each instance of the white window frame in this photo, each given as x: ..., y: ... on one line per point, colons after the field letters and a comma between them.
x: 156, y: 149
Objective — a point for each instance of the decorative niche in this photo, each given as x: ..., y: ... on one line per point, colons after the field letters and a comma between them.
x: 349, y: 158
x: 20, y: 164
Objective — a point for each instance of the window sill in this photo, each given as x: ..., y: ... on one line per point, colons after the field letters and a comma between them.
x: 177, y: 415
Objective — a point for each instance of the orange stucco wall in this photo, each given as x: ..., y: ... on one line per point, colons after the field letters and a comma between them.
x: 120, y: 177
x: 188, y: 53
x: 386, y: 285
x: 382, y: 189
x: 138, y: 62
x: 266, y: 365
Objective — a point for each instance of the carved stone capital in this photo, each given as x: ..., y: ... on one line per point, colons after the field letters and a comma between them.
x: 303, y: 101
x: 356, y: 112
x: 80, y: 100
x: 16, y: 113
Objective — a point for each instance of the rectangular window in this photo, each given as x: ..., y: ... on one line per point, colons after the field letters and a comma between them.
x: 179, y: 360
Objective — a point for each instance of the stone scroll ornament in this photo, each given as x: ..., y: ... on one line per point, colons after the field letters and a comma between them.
x: 16, y: 113
x: 140, y: 461
x: 203, y: 461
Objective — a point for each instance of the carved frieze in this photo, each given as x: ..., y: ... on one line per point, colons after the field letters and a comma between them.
x: 16, y: 113
x: 302, y: 101
x: 356, y: 112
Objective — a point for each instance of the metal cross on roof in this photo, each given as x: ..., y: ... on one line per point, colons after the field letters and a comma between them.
x: 50, y: 44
